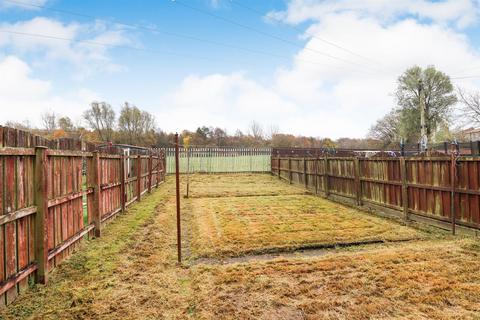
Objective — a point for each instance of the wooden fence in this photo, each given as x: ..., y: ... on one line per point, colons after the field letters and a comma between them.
x: 220, y: 159
x: 50, y: 199
x: 444, y: 191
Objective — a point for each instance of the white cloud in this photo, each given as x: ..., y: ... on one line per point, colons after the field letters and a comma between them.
x: 331, y: 98
x: 23, y: 4
x: 68, y: 43
x: 461, y: 12
x: 23, y: 97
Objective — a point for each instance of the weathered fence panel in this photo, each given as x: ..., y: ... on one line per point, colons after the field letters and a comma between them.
x: 445, y: 189
x: 220, y: 159
x: 52, y: 196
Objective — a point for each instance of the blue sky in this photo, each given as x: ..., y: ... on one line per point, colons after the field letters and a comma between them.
x: 315, y: 88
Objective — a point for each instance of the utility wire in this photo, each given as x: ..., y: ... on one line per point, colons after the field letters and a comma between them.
x: 466, y: 77
x: 151, y: 29
x: 237, y: 3
x: 102, y: 44
x: 108, y: 45
x: 266, y: 34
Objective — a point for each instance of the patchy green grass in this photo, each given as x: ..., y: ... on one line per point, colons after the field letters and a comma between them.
x: 238, y: 185
x: 423, y: 280
x: 235, y: 226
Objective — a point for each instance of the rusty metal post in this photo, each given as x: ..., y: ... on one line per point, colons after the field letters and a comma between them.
x: 41, y: 222
x: 403, y: 173
x: 97, y: 189
x: 123, y: 197
x: 177, y: 188
x: 139, y: 178
x: 453, y: 182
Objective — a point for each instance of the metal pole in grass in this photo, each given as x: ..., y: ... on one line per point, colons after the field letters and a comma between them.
x: 186, y: 146
x: 177, y: 185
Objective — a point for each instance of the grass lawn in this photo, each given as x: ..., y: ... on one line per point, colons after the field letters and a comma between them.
x: 239, y: 225
x: 243, y: 184
x: 425, y: 280
x: 131, y: 271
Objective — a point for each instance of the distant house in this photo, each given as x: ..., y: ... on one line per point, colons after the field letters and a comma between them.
x: 471, y: 134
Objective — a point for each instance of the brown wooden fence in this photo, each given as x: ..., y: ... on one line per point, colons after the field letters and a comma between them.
x: 55, y: 193
x: 444, y: 191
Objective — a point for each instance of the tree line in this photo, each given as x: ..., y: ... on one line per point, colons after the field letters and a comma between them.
x: 447, y: 110
x: 133, y: 126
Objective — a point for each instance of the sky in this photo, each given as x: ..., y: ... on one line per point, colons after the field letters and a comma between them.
x: 305, y: 67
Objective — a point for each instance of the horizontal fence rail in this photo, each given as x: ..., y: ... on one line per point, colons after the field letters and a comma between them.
x: 443, y: 191
x: 471, y: 148
x: 50, y: 199
x: 220, y: 160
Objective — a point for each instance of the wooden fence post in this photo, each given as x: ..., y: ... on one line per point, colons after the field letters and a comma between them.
x: 139, y: 177
x: 403, y: 173
x: 150, y: 162
x: 327, y: 191
x: 453, y: 182
x: 316, y: 175
x: 358, y: 184
x: 305, y: 172
x: 96, y: 206
x: 41, y: 222
x: 290, y: 170
x: 278, y: 169
x: 123, y: 197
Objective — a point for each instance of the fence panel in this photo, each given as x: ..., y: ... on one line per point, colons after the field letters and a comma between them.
x: 381, y: 182
x: 49, y: 200
x: 429, y: 183
x: 468, y: 191
x: 220, y: 159
x: 65, y: 203
x: 341, y: 176
x: 111, y: 185
x: 443, y: 189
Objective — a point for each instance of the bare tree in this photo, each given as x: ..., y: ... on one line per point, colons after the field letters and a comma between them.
x: 49, y: 121
x: 256, y: 130
x: 101, y: 118
x: 470, y: 109
x: 273, y: 130
x: 387, y: 128
x: 24, y: 125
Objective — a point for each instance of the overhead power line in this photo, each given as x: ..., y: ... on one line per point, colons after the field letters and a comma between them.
x: 266, y: 34
x: 150, y: 29
x: 465, y: 77
x: 102, y: 44
x: 237, y: 3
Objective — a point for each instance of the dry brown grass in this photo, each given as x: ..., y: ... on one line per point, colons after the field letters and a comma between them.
x: 235, y: 226
x: 244, y: 184
x: 426, y: 280
x: 129, y: 273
